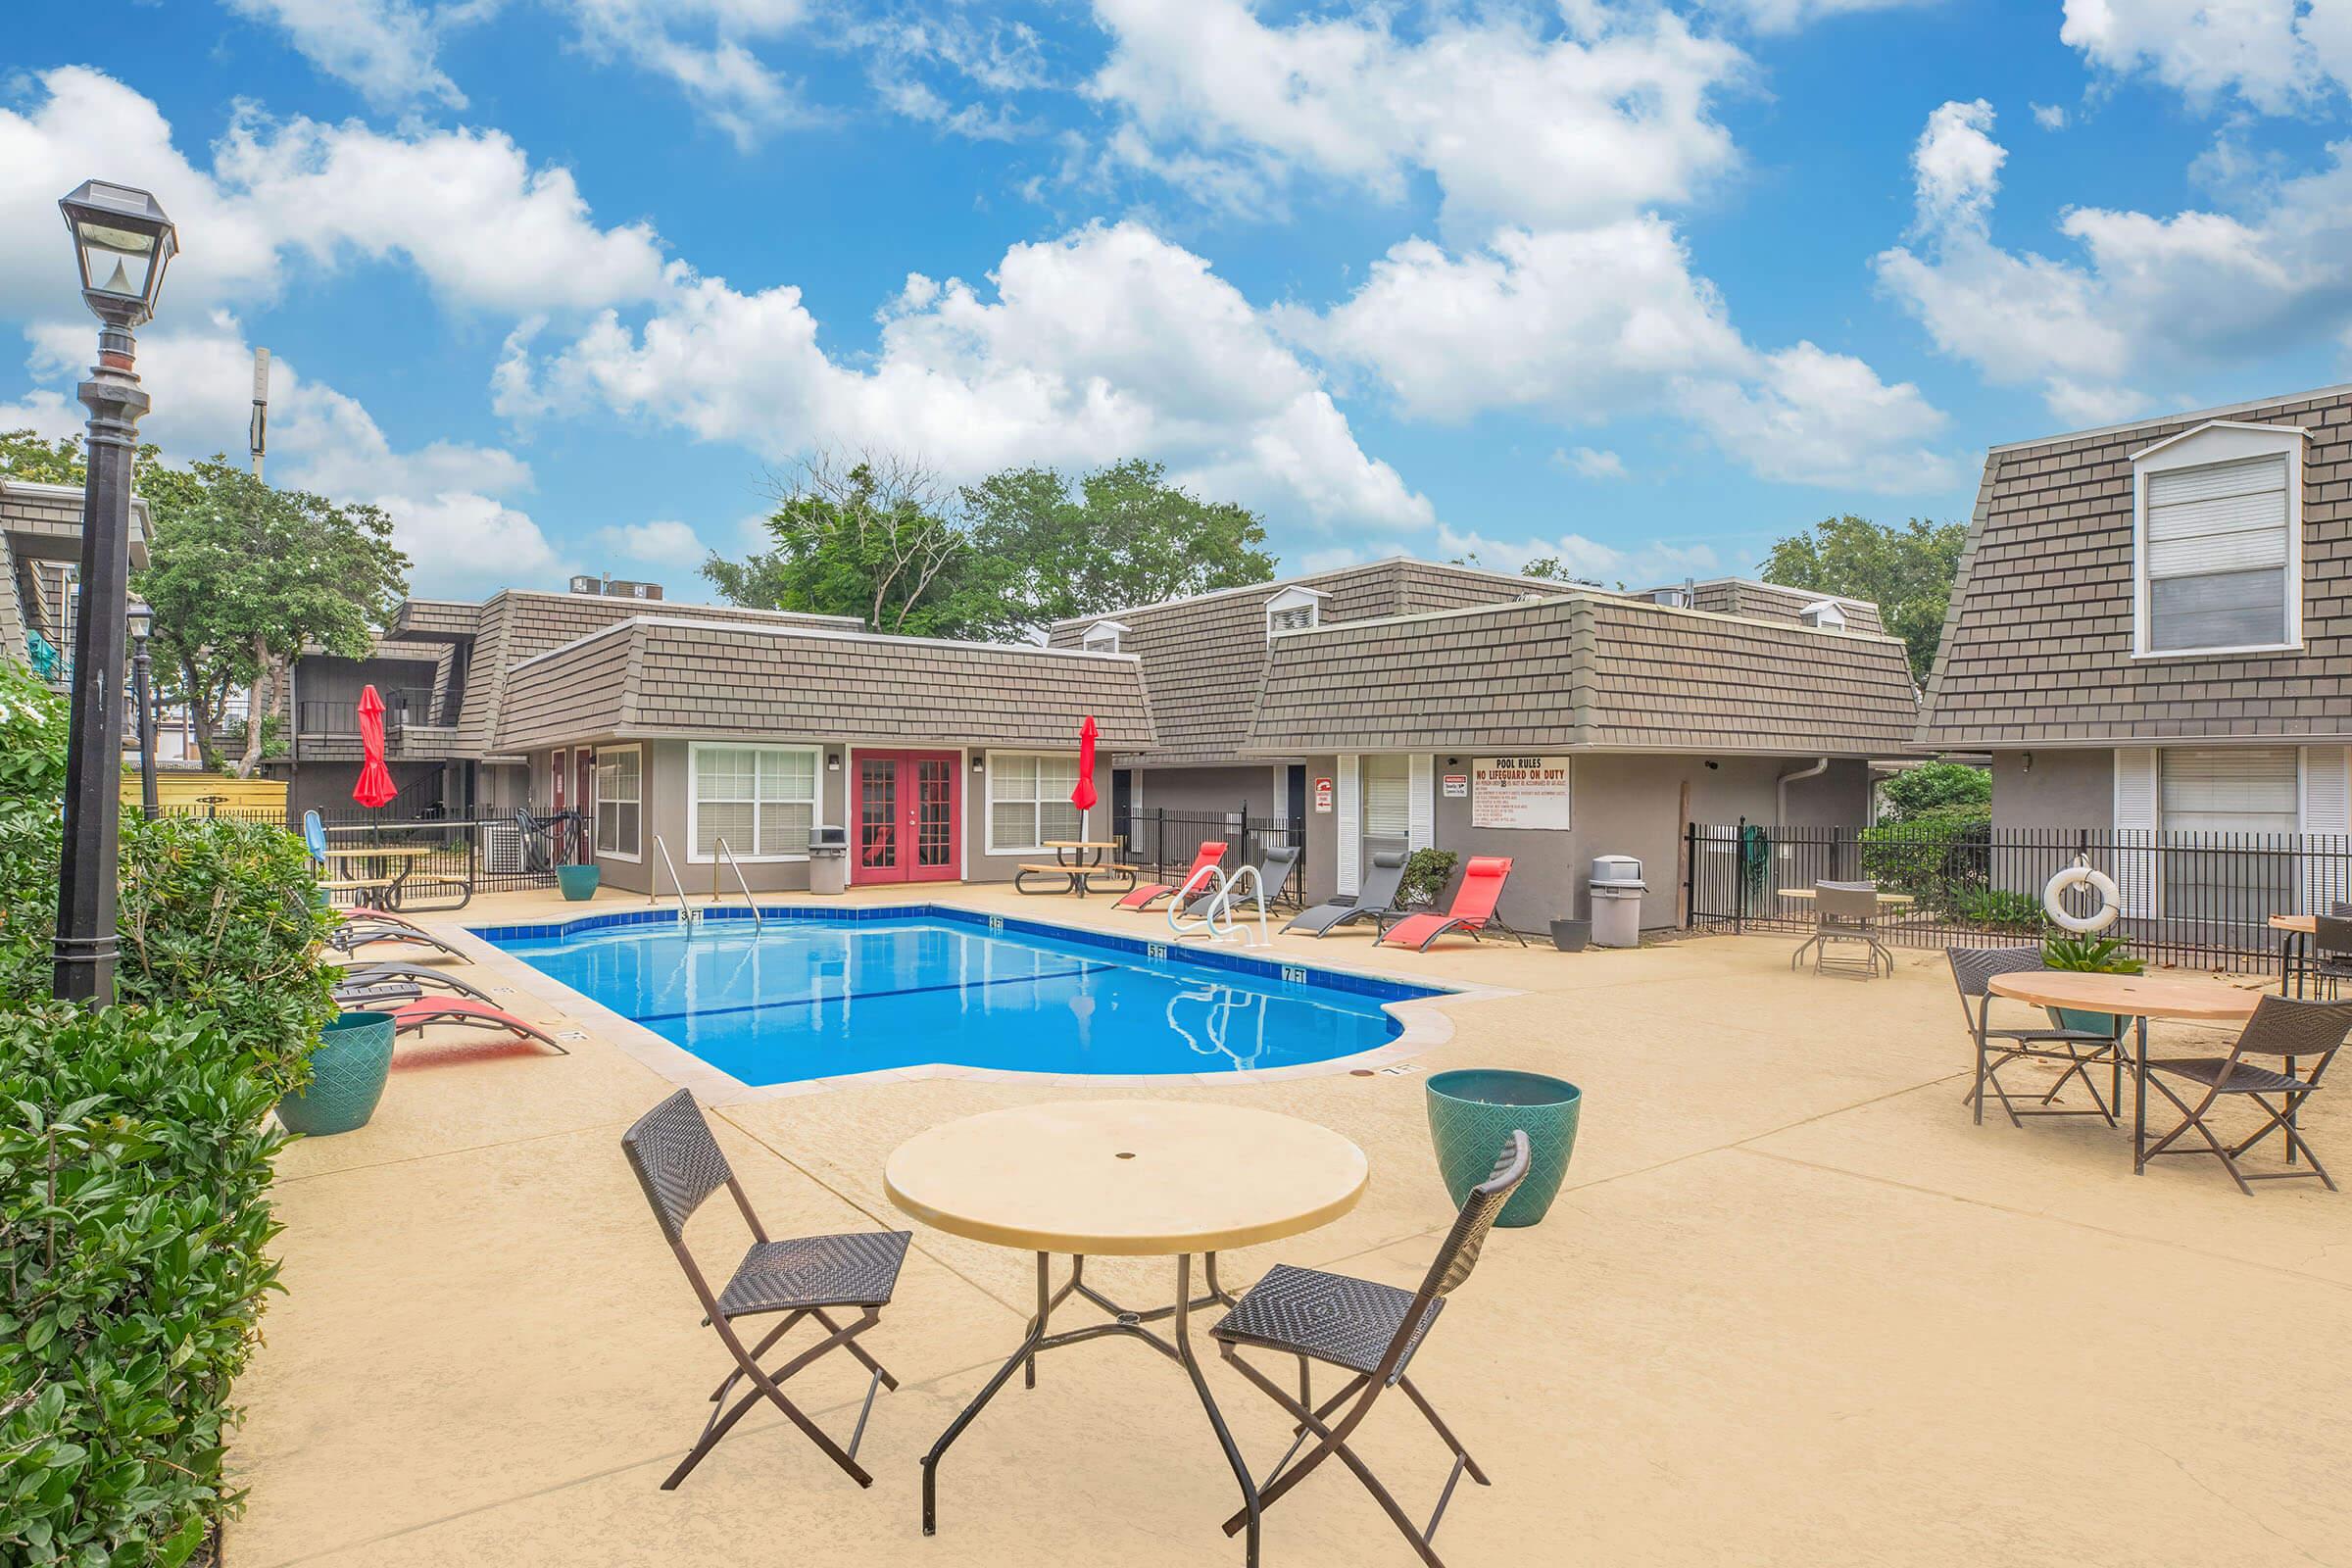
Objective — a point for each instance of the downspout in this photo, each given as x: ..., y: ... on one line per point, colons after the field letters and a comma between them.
x: 1780, y: 814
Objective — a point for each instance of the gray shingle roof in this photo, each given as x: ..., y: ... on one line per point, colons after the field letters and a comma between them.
x: 1204, y: 658
x: 1587, y: 669
x: 1771, y: 601
x: 2038, y: 641
x: 659, y: 675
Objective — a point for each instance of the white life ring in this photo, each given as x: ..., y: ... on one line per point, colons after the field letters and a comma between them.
x: 2081, y: 876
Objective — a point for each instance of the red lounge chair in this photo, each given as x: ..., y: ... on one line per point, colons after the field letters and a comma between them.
x: 1473, y: 908
x: 415, y: 1015
x: 1212, y: 851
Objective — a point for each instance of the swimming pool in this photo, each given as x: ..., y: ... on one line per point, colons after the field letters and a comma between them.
x: 824, y: 995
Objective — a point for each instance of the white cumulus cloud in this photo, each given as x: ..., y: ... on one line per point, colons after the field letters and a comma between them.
x: 662, y: 542
x: 1646, y: 565
x: 385, y: 48
x: 2279, y: 56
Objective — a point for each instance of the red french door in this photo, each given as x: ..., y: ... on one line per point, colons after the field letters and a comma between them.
x: 910, y: 816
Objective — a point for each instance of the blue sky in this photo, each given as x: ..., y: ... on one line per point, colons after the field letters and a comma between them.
x: 560, y: 282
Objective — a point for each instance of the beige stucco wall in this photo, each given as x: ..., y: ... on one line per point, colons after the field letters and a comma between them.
x: 2062, y: 788
x: 664, y: 814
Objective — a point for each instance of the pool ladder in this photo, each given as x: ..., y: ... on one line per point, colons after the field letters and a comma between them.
x: 758, y: 920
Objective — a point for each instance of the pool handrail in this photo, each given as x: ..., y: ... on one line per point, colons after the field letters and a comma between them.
x: 758, y: 920
x: 685, y: 910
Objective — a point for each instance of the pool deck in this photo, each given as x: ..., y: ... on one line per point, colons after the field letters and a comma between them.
x: 1791, y: 1307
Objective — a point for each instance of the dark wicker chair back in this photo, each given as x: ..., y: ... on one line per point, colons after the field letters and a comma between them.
x: 2288, y: 1026
x: 1459, y: 1255
x: 677, y: 1162
x: 2333, y: 937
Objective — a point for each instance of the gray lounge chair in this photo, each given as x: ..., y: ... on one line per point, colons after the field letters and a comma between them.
x: 418, y: 974
x: 1377, y: 898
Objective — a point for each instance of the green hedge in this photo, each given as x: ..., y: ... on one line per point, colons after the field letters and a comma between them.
x: 1938, y: 856
x: 133, y: 1166
x: 134, y: 1161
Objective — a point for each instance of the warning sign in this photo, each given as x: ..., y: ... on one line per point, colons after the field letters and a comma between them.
x: 1524, y: 792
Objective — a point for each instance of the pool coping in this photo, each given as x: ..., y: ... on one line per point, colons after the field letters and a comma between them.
x: 1424, y: 1022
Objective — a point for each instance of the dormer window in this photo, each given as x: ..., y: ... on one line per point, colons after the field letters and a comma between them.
x: 1293, y: 609
x: 1822, y: 614
x: 1102, y: 637
x: 2218, y: 541
x: 1670, y: 598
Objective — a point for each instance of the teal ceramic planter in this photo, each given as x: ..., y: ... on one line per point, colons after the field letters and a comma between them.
x: 2106, y: 1023
x: 347, y: 1077
x: 578, y: 882
x: 1472, y: 1110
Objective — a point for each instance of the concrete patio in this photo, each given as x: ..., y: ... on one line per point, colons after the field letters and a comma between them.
x: 1793, y: 1307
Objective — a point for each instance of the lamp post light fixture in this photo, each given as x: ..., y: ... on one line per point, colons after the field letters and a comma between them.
x: 141, y: 619
x: 122, y: 243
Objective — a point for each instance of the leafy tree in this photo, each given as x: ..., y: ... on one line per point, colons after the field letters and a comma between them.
x: 1544, y: 568
x: 243, y: 576
x: 1933, y: 786
x: 26, y: 455
x: 1046, y: 551
x: 1907, y: 571
x: 873, y: 539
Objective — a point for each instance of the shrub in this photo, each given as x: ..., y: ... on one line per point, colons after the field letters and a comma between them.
x: 1936, y: 856
x: 1426, y: 873
x: 2089, y: 954
x: 1933, y: 786
x: 134, y: 1170
x: 1995, y: 906
x: 213, y: 917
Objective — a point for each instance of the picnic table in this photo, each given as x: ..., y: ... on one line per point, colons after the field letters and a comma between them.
x: 1076, y: 863
x: 2138, y: 996
x: 1892, y: 900
x: 1122, y: 1178
x: 385, y: 869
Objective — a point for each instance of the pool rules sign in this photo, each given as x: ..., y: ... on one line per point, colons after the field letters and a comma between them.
x: 1530, y: 792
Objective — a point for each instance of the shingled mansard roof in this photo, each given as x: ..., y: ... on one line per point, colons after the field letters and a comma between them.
x: 655, y: 675
x: 2038, y: 641
x: 1770, y: 601
x: 519, y: 624
x: 1204, y: 658
x: 1584, y: 670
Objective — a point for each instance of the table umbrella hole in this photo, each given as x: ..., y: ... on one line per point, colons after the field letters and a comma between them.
x: 1122, y: 1155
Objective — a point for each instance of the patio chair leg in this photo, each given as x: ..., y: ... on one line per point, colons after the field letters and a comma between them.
x: 767, y: 1387
x: 1334, y: 1442
x: 1445, y: 1433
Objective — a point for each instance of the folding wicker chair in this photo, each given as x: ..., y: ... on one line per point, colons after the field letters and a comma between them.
x: 679, y: 1163
x: 1842, y: 912
x: 2082, y: 1050
x: 1367, y: 1329
x: 2331, y: 959
x: 2283, y: 1028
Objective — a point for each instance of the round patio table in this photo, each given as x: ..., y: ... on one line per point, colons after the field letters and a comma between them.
x: 2138, y: 997
x: 2295, y: 932
x: 1123, y: 1178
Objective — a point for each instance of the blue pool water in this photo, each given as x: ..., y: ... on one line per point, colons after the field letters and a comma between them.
x: 814, y: 997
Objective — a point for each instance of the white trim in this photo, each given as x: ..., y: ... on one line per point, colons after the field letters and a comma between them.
x: 988, y: 803
x: 1420, y: 803
x: 2324, y: 801
x: 694, y: 803
x: 2136, y: 828
x: 595, y: 828
x: 1349, y: 839
x: 2218, y: 441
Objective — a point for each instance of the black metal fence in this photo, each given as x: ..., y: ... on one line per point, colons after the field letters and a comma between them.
x: 1162, y: 843
x: 486, y: 854
x: 2200, y: 900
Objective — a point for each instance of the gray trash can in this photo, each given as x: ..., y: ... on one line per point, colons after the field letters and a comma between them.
x: 1617, y: 887
x: 828, y: 861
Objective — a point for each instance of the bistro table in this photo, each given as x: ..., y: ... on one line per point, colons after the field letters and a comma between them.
x: 1122, y: 1178
x: 1892, y: 900
x: 2139, y: 997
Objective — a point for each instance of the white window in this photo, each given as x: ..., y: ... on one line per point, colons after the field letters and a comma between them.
x: 760, y: 798
x: 619, y: 801
x: 1293, y: 609
x: 1824, y: 612
x: 1102, y: 637
x: 1029, y: 800
x: 2221, y: 806
x: 1388, y: 801
x: 2218, y: 541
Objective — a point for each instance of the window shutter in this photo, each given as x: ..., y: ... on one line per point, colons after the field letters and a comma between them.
x: 2327, y: 819
x: 1420, y: 829
x: 2135, y: 829
x: 1388, y: 792
x: 1350, y: 835
x: 2225, y: 516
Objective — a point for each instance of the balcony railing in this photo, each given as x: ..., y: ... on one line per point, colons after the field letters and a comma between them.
x: 401, y: 704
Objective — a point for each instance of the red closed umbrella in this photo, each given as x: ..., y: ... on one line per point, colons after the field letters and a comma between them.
x: 375, y: 786
x: 1083, y: 796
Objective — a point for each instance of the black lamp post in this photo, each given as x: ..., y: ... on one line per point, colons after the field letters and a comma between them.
x: 142, y: 696
x: 122, y: 243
